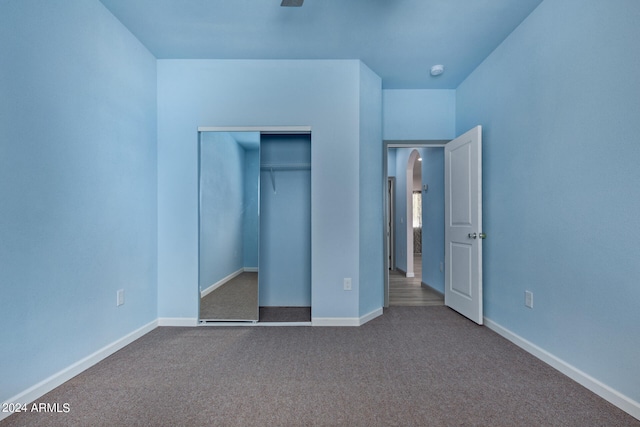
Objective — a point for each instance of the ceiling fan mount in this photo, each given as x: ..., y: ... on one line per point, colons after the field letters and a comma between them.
x: 291, y: 3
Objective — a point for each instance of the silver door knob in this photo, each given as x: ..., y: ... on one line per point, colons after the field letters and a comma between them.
x: 473, y: 235
x: 482, y: 236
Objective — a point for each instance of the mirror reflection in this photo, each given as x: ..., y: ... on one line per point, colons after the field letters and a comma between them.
x: 229, y: 172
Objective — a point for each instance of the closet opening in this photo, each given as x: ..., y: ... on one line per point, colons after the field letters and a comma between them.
x: 254, y: 226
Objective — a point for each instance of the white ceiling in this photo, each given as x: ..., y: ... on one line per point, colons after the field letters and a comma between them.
x: 398, y: 39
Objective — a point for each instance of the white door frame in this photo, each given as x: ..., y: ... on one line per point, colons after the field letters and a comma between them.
x: 391, y: 212
x: 422, y: 143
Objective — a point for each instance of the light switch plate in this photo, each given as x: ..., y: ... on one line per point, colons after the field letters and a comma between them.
x: 528, y: 299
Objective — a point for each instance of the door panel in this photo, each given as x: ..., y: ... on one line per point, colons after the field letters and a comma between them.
x: 463, y: 224
x: 461, y: 257
x: 461, y: 197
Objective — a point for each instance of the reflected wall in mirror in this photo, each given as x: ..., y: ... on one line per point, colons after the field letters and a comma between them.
x: 229, y: 172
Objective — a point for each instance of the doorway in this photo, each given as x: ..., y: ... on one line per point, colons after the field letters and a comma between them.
x: 416, y: 277
x: 460, y: 164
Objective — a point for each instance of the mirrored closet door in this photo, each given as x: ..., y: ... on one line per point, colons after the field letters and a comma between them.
x: 229, y: 174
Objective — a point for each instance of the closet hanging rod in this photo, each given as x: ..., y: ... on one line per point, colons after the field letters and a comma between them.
x: 285, y: 166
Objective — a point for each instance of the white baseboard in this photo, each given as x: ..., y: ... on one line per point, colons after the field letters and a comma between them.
x: 370, y: 316
x: 178, y: 321
x: 224, y: 280
x: 38, y: 390
x: 346, y: 321
x: 335, y: 321
x: 205, y: 292
x: 609, y: 394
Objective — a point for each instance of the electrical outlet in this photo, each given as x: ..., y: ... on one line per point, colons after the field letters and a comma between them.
x: 528, y: 299
x: 347, y: 283
x: 119, y: 297
x: 441, y: 266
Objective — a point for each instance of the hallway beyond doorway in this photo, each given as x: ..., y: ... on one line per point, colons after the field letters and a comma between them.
x: 409, y: 291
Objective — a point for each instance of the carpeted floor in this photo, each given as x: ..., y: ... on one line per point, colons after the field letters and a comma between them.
x: 413, y: 366
x: 285, y: 314
x: 235, y: 300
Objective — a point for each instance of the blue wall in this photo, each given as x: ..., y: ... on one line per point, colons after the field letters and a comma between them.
x: 418, y: 114
x: 285, y: 222
x: 391, y: 162
x: 371, y: 194
x: 251, y: 218
x: 402, y: 158
x: 433, y: 217
x: 194, y: 93
x: 222, y: 194
x: 77, y: 184
x: 559, y: 102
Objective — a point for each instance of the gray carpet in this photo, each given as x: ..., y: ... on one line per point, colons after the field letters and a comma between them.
x: 285, y: 314
x: 413, y: 366
x: 235, y: 300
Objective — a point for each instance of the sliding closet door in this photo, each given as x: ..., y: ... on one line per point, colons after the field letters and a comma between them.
x: 285, y: 221
x: 228, y: 226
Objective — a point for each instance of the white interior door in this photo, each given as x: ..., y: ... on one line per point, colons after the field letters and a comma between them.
x: 463, y: 224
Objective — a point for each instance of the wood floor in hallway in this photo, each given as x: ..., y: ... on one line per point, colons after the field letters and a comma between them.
x: 409, y: 291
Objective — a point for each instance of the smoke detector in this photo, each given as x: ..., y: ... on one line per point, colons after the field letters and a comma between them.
x: 436, y: 70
